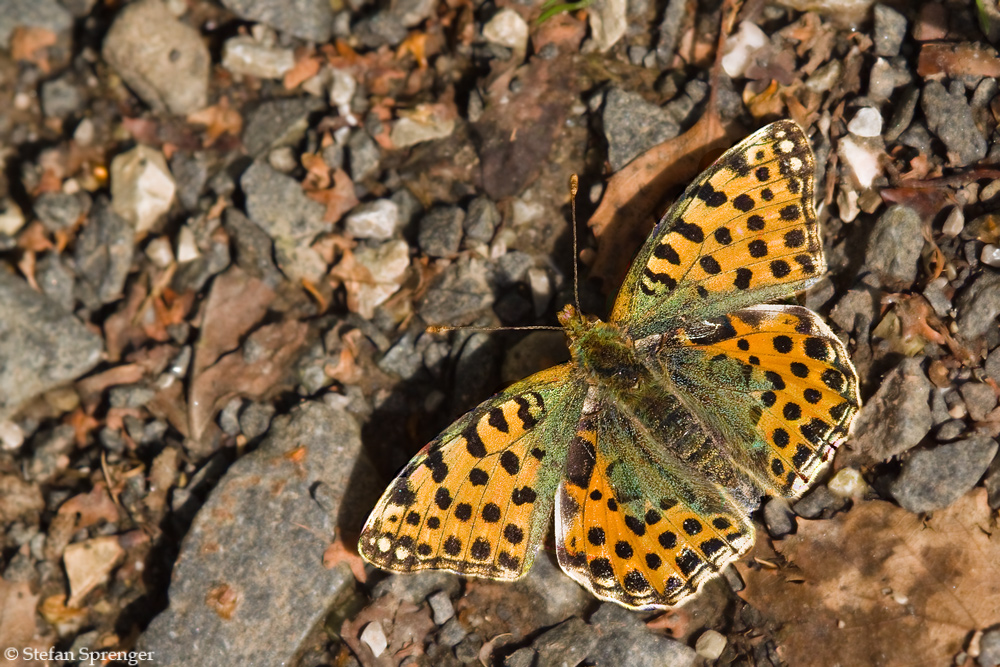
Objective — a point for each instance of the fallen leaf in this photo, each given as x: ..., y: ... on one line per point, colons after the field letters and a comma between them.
x: 880, y: 586
x: 306, y: 66
x: 338, y: 198
x: 631, y: 202
x: 29, y: 43
x: 91, y: 508
x: 88, y: 565
x: 66, y: 620
x: 341, y: 552
x: 17, y: 621
x: 965, y: 59
x: 218, y: 119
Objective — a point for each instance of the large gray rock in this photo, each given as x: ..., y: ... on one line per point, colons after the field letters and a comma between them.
x: 894, y: 247
x: 898, y: 416
x: 249, y: 585
x: 163, y: 60
x: 632, y: 126
x: 934, y: 478
x: 41, y: 345
x: 978, y: 306
x: 949, y: 116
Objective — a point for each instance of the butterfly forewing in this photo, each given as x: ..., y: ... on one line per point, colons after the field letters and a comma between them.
x: 478, y: 498
x: 745, y: 232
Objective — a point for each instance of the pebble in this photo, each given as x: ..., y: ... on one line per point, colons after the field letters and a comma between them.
x: 11, y: 436
x: 848, y: 483
x: 11, y: 217
x: 989, y: 648
x: 387, y: 263
x: 378, y: 219
x: 819, y: 502
x: 508, y: 29
x: 245, y: 55
x: 310, y: 20
x: 624, y: 639
x: 949, y: 116
x: 778, y: 517
x: 43, y: 346
x: 741, y: 47
x: 441, y: 607
x: 978, y: 306
x: 142, y: 188
x: 710, y: 645
x: 362, y: 156
x: 980, y: 399
x: 569, y: 643
x: 278, y: 204
x: 885, y: 77
x: 632, y: 126
x: 825, y: 77
x: 57, y: 280
x: 163, y: 60
x: 990, y: 255
x: 932, y: 479
x: 894, y: 247
x: 441, y: 231
x: 104, y: 252
x: 279, y: 122
x: 61, y: 210
x: 898, y: 416
x: 61, y: 97
x: 481, y: 220
x: 343, y: 85
x: 889, y: 32
x: 954, y: 223
x: 992, y: 365
x: 458, y: 295
x: 452, y: 632
x: 281, y: 585
x: 608, y: 23
x: 905, y: 108
x: 867, y: 122
x: 423, y: 125
x: 47, y: 14
x: 374, y: 638
x: 950, y: 430
x: 254, y: 248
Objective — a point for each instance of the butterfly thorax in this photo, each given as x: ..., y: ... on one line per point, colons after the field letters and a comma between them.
x: 602, y: 350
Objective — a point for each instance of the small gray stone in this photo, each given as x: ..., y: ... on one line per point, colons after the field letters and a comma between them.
x: 255, y: 419
x: 415, y: 588
x: 905, y: 107
x: 898, y: 416
x: 950, y: 430
x: 949, y: 116
x: 441, y: 607
x: 885, y: 77
x: 378, y: 219
x: 625, y: 640
x: 558, y: 596
x: 992, y: 365
x: 190, y: 172
x: 279, y: 205
x: 412, y: 13
x: 992, y: 483
x: 894, y: 247
x: 277, y: 123
x: 42, y: 345
x: 979, y: 399
x: 409, y: 206
x: 932, y: 479
x: 402, y: 359
x: 468, y: 649
x: 381, y: 29
x: 254, y: 248
x: 978, y: 306
x: 513, y: 267
x: 632, y: 125
x: 246, y: 563
x: 989, y: 647
x: 778, y: 517
x: 481, y: 220
x: 60, y: 210
x: 566, y: 645
x: 56, y: 280
x: 163, y: 60
x: 363, y: 156
x: 61, y: 97
x: 104, y: 253
x: 311, y: 20
x: 458, y: 295
x: 441, y: 231
x: 819, y: 502
x: 890, y: 30
x: 935, y: 294
x: 452, y: 632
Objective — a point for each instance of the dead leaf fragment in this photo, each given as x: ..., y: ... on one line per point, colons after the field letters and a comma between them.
x: 882, y: 586
x: 88, y: 565
x: 218, y: 120
x: 91, y: 508
x: 952, y: 60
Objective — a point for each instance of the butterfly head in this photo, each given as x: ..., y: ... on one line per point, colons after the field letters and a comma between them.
x: 601, y: 349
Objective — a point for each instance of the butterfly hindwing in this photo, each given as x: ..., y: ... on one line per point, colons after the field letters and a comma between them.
x: 745, y: 232
x: 477, y: 500
x: 634, y: 524
x: 780, y: 385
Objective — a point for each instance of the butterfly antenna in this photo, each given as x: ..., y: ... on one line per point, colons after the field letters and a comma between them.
x: 434, y: 328
x: 574, y: 185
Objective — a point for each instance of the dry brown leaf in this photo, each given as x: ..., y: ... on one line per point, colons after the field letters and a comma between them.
x: 91, y: 388
x: 218, y: 119
x: 92, y: 507
x: 29, y: 43
x: 881, y: 586
x: 17, y: 621
x: 235, y: 374
x: 340, y: 551
x: 89, y: 564
x: 338, y: 199
x: 306, y: 66
x: 634, y: 196
x: 952, y: 60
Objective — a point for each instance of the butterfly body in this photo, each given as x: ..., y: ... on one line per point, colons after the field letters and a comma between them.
x: 656, y: 442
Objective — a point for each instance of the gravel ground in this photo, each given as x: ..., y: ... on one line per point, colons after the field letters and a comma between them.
x: 226, y: 226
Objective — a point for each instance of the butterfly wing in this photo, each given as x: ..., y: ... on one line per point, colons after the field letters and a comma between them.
x: 743, y: 233
x: 477, y: 499
x: 639, y: 523
x: 772, y: 381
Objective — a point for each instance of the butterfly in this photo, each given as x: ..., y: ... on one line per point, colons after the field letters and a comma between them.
x: 657, y: 441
